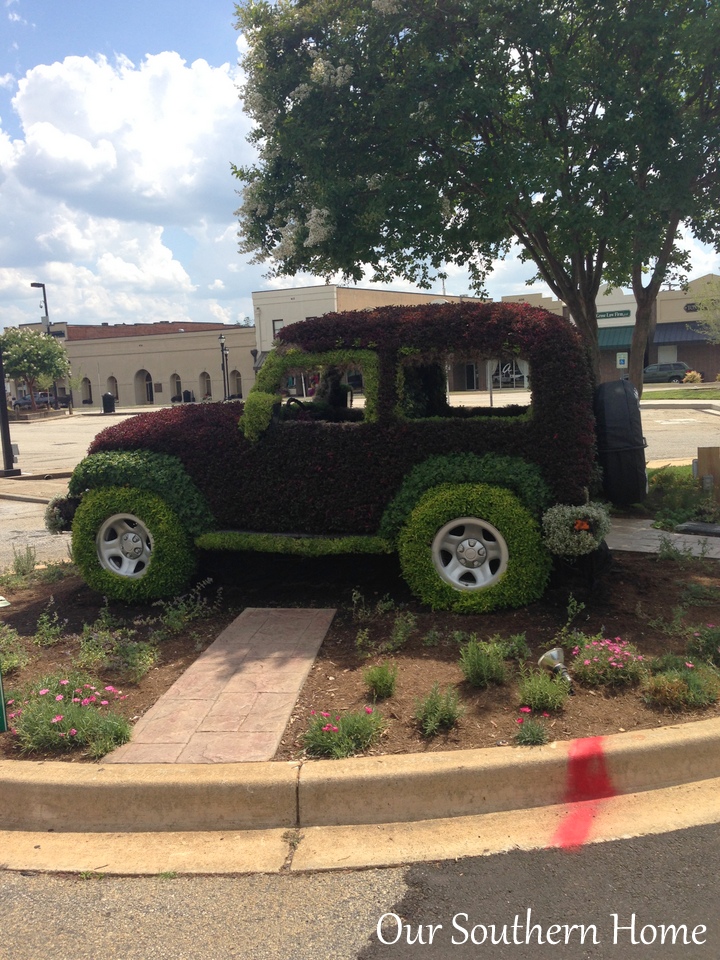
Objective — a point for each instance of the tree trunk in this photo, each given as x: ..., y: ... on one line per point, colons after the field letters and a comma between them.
x: 643, y: 333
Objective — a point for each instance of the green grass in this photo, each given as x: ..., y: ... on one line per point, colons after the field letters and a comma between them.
x: 682, y: 393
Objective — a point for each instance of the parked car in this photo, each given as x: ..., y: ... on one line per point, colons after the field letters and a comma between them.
x: 25, y: 403
x: 458, y: 492
x: 666, y: 372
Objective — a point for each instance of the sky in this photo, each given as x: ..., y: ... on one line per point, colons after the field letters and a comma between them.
x: 118, y: 126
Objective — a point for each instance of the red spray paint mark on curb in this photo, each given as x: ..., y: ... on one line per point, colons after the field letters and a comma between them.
x: 588, y: 783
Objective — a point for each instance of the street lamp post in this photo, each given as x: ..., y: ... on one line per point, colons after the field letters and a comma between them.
x: 46, y: 321
x: 9, y: 470
x: 46, y: 318
x: 223, y: 365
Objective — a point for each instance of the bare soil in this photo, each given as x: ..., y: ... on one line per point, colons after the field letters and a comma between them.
x: 642, y: 599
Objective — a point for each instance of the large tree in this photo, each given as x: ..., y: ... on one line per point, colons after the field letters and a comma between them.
x: 36, y: 358
x: 404, y: 135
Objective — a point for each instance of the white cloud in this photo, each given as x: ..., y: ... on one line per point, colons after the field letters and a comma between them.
x: 112, y: 154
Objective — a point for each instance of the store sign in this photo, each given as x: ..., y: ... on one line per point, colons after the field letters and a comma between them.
x: 612, y: 314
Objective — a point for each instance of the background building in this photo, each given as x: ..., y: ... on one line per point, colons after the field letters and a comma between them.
x: 152, y: 364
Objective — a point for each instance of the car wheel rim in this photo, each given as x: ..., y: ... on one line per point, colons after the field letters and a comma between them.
x: 124, y: 546
x: 470, y: 553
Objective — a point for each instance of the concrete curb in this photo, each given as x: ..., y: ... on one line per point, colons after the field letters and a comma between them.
x: 65, y: 797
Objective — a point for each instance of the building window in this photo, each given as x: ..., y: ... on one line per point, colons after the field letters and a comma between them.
x: 277, y: 327
x: 112, y: 387
x: 175, y: 387
x: 86, y: 390
x: 235, y: 384
x: 205, y: 386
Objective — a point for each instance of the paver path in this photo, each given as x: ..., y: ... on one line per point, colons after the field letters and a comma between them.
x: 234, y: 702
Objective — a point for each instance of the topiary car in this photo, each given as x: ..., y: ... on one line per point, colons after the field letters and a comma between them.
x: 459, y: 492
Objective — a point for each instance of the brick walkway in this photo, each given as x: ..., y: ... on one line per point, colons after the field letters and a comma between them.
x: 234, y: 702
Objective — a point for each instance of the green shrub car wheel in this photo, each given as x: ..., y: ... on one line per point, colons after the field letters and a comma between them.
x: 129, y: 545
x: 473, y: 548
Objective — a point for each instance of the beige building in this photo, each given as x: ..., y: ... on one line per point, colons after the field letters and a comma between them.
x: 676, y: 336
x: 154, y: 364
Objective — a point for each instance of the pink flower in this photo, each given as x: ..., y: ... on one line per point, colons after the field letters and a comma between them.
x: 57, y: 719
x: 328, y: 728
x: 43, y: 692
x: 64, y: 682
x: 525, y: 710
x: 690, y: 666
x: 520, y: 720
x: 73, y: 732
x: 312, y: 713
x: 586, y: 662
x: 111, y: 689
x: 103, y: 703
x: 545, y: 713
x: 323, y: 714
x: 86, y: 702
x: 368, y: 709
x: 59, y: 697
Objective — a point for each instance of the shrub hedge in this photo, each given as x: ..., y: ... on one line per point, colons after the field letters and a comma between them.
x: 144, y: 470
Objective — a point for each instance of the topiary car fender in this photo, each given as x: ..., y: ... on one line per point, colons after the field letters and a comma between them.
x: 513, y: 473
x: 130, y: 545
x: 473, y: 548
x: 156, y: 473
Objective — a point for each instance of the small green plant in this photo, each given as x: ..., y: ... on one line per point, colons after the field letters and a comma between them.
x: 342, y: 736
x: 542, y: 691
x: 515, y: 647
x: 611, y: 663
x: 65, y: 712
x: 531, y: 732
x: 177, y: 613
x: 380, y: 680
x: 13, y: 655
x: 49, y: 628
x: 438, y: 710
x: 432, y: 638
x: 671, y: 628
x: 483, y: 663
x: 364, y: 612
x: 667, y: 550
x: 135, y: 658
x: 567, y: 634
x: 24, y: 561
x: 168, y: 875
x: 363, y: 644
x: 700, y: 595
x: 678, y: 686
x: 704, y: 644
x: 404, y: 625
x: 91, y: 875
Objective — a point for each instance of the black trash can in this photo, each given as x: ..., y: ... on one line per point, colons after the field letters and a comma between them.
x: 187, y: 396
x: 108, y: 402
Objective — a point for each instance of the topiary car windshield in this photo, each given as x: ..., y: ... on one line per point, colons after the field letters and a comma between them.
x: 348, y: 443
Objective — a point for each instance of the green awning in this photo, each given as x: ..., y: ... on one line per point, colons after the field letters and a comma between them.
x: 615, y: 338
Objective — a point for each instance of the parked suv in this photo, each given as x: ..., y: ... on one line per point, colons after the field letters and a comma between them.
x: 458, y: 492
x: 665, y: 372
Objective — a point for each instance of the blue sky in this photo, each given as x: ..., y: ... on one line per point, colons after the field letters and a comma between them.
x: 118, y: 125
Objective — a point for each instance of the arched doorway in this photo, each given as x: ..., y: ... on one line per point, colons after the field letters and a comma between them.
x: 86, y: 390
x: 143, y: 387
x: 175, y: 387
x: 235, y: 384
x: 112, y: 387
x: 205, y: 386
